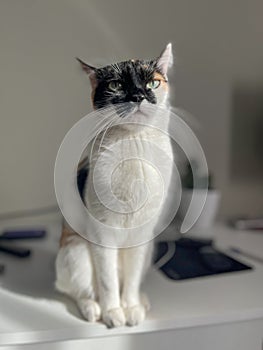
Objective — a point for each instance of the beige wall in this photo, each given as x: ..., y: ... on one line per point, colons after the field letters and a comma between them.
x: 218, y: 46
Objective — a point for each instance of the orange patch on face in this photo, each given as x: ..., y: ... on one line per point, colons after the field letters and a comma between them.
x: 158, y: 76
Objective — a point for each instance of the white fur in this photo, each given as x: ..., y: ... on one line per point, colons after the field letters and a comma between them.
x: 105, y: 282
x: 118, y: 277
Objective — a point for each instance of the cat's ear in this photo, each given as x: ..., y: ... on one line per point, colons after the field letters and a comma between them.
x: 86, y: 67
x: 91, y: 71
x: 165, y: 60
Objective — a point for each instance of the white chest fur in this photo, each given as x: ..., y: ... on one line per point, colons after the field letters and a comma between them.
x: 129, y: 176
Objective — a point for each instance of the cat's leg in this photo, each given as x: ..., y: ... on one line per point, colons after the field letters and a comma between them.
x: 106, y: 265
x: 136, y: 260
x: 75, y: 276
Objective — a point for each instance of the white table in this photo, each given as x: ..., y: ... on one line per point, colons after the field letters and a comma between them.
x: 209, y: 313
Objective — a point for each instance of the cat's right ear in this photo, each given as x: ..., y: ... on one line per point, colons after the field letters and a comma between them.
x: 86, y: 67
x: 90, y: 70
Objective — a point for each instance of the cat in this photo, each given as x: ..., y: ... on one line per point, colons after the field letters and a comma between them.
x: 105, y: 281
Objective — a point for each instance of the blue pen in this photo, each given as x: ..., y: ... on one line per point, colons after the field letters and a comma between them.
x: 22, y: 234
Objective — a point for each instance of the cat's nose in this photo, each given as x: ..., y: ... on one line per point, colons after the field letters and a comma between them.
x: 137, y: 98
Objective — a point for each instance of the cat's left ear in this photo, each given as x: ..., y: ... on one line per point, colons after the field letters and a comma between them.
x: 165, y: 60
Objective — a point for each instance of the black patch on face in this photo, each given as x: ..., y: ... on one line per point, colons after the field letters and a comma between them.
x: 133, y: 76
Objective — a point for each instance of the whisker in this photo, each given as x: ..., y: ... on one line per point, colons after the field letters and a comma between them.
x: 100, y: 130
x: 116, y: 67
x: 107, y: 128
x: 110, y: 115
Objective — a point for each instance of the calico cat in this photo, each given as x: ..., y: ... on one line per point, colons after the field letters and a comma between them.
x: 105, y: 281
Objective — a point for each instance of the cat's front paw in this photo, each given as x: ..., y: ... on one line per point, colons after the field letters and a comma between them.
x: 114, y: 317
x: 90, y: 309
x: 134, y: 314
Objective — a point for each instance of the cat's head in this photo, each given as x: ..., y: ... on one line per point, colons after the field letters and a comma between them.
x: 137, y: 83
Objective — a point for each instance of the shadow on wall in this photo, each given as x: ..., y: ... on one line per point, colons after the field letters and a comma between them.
x: 246, y: 153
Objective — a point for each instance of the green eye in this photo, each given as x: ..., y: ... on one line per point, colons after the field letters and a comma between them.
x: 115, y: 86
x: 154, y: 84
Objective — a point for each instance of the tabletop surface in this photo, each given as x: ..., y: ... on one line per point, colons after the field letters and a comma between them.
x: 32, y: 311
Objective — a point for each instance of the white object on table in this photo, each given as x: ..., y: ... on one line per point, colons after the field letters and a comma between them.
x: 206, y: 219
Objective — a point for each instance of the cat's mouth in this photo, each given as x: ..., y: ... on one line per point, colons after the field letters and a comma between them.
x: 127, y: 109
x: 142, y: 109
x: 135, y: 108
x: 132, y: 111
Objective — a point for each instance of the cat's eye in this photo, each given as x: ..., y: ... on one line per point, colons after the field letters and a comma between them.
x: 115, y: 85
x: 153, y: 84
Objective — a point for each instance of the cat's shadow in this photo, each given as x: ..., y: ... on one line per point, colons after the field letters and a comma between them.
x: 34, y: 277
